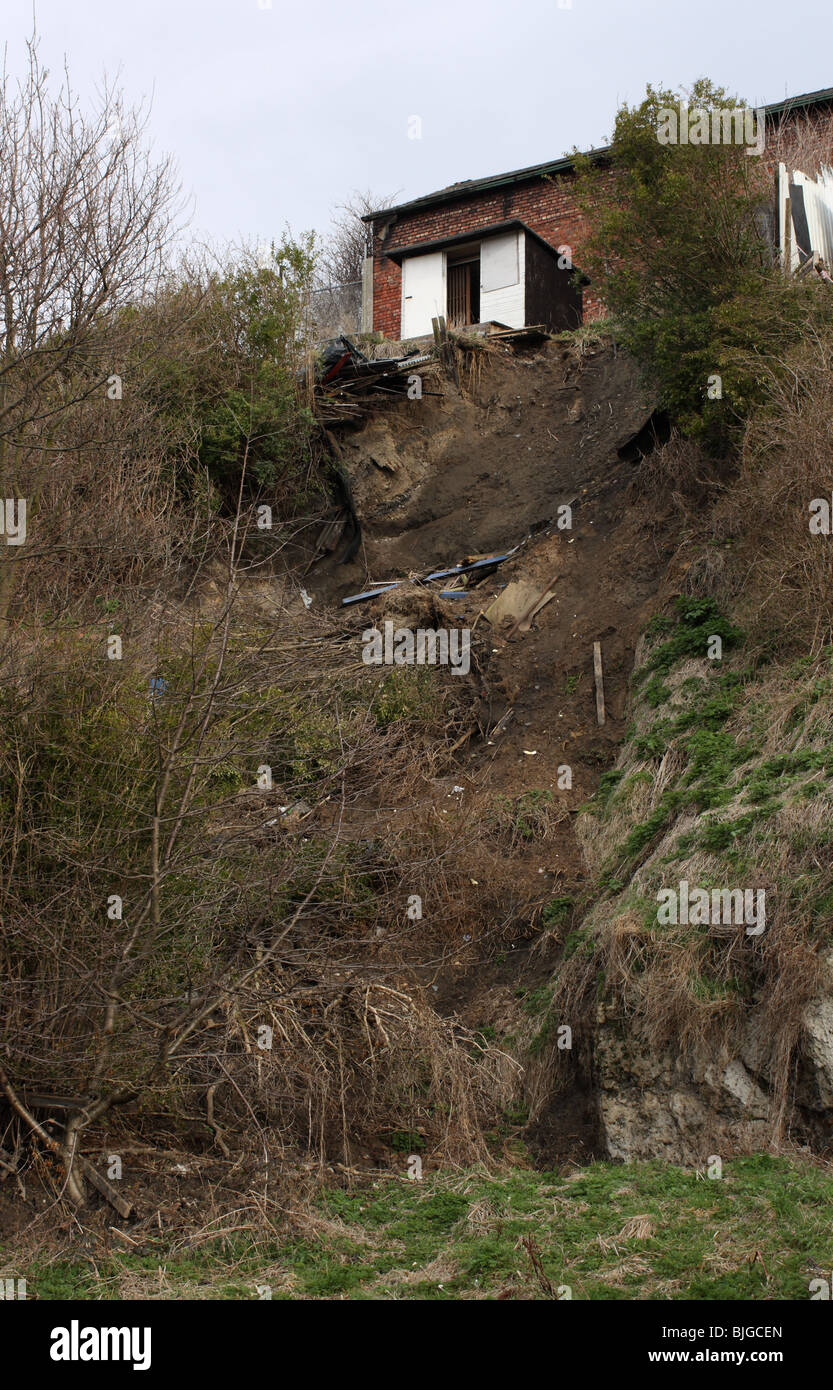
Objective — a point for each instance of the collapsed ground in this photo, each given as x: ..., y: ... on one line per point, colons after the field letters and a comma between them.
x: 477, y: 471
x: 455, y: 792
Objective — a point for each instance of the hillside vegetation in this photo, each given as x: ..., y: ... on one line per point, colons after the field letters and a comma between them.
x: 216, y: 820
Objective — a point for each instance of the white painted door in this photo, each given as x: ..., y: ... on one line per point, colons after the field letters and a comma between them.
x: 423, y: 293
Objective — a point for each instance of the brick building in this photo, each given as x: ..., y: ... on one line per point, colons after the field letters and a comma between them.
x: 495, y: 249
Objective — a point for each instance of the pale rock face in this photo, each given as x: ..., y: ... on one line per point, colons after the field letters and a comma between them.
x: 818, y: 1040
x: 737, y: 1081
x: 684, y: 1108
x: 679, y: 1109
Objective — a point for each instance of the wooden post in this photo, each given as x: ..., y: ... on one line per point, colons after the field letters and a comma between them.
x: 445, y: 349
x: 600, y: 690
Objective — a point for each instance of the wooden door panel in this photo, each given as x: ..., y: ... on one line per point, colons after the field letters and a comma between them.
x: 459, y: 294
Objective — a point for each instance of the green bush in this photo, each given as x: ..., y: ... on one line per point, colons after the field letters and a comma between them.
x: 227, y: 392
x: 676, y: 254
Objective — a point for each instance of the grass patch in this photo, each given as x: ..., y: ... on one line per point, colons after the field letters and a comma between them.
x: 610, y: 1231
x: 696, y: 622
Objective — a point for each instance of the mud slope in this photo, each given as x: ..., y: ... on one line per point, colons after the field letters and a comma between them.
x: 476, y: 471
x: 435, y: 480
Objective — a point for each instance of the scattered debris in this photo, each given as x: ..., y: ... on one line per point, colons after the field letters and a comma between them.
x: 471, y: 565
x: 529, y: 336
x: 347, y: 377
x: 546, y: 598
x: 503, y: 722
x: 540, y: 601
x: 512, y: 603
x: 520, y: 601
x: 484, y: 562
x: 371, y: 593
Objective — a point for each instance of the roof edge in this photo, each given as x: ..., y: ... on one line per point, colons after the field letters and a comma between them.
x: 470, y: 186
x: 415, y: 248
x: 560, y: 166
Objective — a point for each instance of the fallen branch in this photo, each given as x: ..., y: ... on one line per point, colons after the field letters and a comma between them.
x: 85, y: 1168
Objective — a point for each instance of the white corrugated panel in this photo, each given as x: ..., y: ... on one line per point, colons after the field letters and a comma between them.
x: 818, y: 208
x: 818, y: 204
x: 784, y: 224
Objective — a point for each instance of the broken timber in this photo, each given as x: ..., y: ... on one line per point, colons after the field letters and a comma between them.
x: 541, y: 599
x: 348, y: 379
x: 486, y: 563
x: 597, y: 672
x: 74, y: 1160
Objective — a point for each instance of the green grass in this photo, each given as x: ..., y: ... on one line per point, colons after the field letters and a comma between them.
x: 558, y: 910
x: 695, y: 622
x: 408, y: 695
x: 633, y: 1231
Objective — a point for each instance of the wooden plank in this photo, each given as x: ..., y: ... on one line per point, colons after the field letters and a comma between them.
x: 513, y: 603
x: 459, y: 295
x: 600, y: 690
x: 440, y: 330
x: 108, y: 1192
x: 527, y: 622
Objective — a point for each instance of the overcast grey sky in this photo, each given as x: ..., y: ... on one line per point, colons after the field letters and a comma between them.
x: 275, y: 115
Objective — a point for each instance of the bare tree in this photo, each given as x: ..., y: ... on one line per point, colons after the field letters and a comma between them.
x: 86, y: 218
x: 338, y: 294
x: 158, y: 911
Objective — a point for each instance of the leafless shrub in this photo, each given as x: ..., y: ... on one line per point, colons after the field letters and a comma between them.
x: 679, y: 472
x: 786, y: 567
x: 801, y: 140
x: 234, y: 915
x: 86, y: 219
x: 337, y: 294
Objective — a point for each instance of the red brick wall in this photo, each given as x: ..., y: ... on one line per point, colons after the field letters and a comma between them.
x: 545, y: 205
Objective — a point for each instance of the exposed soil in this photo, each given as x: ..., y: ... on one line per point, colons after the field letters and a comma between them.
x: 437, y: 480
x: 478, y: 470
